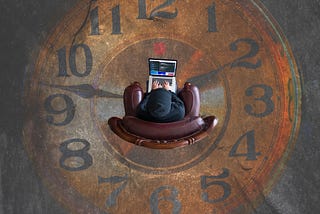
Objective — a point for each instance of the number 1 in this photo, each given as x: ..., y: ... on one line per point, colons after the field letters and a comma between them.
x: 94, y: 18
x: 212, y: 21
x: 116, y: 27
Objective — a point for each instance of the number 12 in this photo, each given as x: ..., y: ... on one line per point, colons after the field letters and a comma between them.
x: 142, y: 14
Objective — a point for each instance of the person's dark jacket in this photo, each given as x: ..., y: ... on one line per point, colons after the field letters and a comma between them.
x: 162, y: 106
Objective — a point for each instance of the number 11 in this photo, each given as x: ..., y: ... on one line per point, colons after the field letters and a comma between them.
x: 94, y: 19
x: 212, y: 21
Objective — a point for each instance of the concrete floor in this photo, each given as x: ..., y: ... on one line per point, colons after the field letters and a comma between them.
x: 25, y: 24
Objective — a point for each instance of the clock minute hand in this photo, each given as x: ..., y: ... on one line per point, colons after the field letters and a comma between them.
x: 86, y: 91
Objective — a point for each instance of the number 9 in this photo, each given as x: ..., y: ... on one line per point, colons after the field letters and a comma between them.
x: 69, y: 109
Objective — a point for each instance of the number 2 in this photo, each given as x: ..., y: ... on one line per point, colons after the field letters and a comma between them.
x: 254, y: 50
x: 156, y: 12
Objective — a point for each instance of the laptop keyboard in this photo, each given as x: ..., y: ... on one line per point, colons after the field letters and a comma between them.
x: 161, y: 81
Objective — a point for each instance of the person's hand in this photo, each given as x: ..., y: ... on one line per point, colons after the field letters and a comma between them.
x: 155, y: 85
x: 166, y: 85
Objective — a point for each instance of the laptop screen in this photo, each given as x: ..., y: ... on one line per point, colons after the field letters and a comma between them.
x: 162, y: 67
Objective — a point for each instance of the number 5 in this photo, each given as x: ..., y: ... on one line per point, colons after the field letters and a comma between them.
x: 205, y: 184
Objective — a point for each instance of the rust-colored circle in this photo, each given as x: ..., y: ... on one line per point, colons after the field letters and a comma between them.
x: 232, y: 50
x: 118, y: 73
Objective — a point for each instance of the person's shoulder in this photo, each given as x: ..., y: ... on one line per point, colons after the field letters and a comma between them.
x: 173, y: 93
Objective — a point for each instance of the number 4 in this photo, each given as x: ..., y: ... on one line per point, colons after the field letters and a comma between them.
x: 251, y: 150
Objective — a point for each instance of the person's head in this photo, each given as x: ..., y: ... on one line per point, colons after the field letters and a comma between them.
x: 159, y: 103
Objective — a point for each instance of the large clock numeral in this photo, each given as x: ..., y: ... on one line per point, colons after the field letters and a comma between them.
x: 112, y: 199
x: 62, y: 57
x: 206, y: 184
x: 79, y: 159
x: 202, y: 80
x: 251, y: 149
x: 156, y: 12
x: 68, y: 109
x: 254, y: 49
x: 266, y: 99
x: 116, y: 27
x: 155, y: 199
x: 94, y: 19
x: 212, y: 21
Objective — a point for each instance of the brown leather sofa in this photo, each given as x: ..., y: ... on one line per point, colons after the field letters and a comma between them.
x: 162, y: 135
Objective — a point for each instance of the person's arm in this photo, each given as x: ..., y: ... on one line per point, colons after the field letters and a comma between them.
x: 177, y: 107
x: 142, y: 107
x: 176, y: 99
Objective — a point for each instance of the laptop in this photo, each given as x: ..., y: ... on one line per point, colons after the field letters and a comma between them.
x: 162, y: 70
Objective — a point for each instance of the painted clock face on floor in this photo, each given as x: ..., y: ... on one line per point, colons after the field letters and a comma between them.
x: 232, y: 50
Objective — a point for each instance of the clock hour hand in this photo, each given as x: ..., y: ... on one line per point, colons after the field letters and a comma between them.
x: 203, y: 80
x: 86, y: 91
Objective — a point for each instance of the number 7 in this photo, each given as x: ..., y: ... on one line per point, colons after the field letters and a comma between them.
x: 112, y: 199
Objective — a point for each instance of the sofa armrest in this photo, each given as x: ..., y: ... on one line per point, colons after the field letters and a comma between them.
x: 132, y: 96
x: 191, y: 97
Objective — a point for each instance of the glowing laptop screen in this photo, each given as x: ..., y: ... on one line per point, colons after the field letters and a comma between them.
x: 162, y: 67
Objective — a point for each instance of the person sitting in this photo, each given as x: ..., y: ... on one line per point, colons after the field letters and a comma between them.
x: 161, y: 105
x: 161, y: 119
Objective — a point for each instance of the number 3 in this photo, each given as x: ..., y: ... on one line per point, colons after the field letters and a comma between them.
x: 266, y: 98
